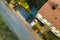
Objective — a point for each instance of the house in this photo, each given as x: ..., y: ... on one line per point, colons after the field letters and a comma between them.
x: 51, y: 11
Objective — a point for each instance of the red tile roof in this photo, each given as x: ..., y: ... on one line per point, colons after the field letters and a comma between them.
x: 53, y: 16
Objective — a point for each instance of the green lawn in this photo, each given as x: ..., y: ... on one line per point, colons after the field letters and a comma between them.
x: 5, y: 32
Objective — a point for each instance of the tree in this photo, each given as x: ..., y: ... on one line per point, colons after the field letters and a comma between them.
x: 23, y: 3
x: 8, y: 1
